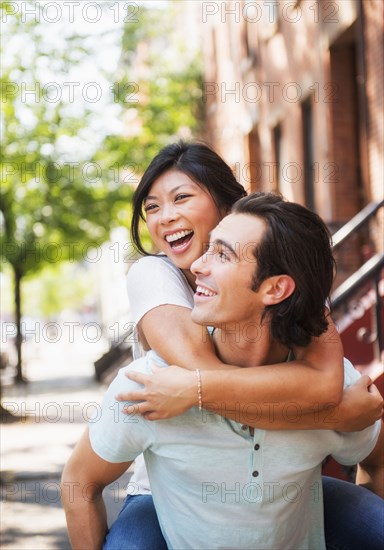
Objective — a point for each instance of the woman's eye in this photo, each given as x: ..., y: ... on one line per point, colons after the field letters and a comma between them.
x: 149, y: 207
x: 181, y: 196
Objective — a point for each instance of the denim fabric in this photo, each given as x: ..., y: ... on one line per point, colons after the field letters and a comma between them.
x: 353, y: 516
x: 354, y: 519
x: 136, y: 527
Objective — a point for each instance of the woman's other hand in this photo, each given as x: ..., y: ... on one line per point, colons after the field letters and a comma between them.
x: 361, y: 406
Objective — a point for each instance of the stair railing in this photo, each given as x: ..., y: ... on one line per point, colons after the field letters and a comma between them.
x: 370, y: 270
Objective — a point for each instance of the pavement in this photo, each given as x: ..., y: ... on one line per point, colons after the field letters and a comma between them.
x: 49, y: 416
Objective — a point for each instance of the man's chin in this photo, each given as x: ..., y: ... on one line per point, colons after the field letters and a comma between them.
x: 198, y: 316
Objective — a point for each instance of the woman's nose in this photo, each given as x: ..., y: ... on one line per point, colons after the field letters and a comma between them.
x: 168, y: 214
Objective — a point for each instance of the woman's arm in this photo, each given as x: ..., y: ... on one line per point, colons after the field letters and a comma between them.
x: 170, y: 331
x: 170, y: 392
x: 312, y: 382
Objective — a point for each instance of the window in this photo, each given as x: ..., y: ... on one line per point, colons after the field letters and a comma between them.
x: 308, y: 153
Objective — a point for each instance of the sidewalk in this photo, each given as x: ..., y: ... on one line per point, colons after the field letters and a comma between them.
x: 52, y: 409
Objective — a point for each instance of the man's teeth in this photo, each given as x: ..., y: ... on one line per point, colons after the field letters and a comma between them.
x: 205, y: 291
x: 177, y: 236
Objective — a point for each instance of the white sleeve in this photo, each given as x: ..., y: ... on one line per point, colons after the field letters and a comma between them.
x: 355, y: 446
x: 153, y: 281
x: 115, y: 436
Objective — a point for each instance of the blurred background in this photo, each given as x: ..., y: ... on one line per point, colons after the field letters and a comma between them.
x: 290, y: 93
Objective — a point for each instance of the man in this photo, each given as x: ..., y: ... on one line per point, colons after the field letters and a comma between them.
x: 216, y: 483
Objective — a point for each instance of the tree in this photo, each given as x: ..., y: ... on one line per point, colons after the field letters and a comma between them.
x: 158, y: 85
x: 59, y: 196
x: 52, y: 208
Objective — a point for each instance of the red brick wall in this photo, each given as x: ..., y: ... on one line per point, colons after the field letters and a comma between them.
x: 345, y: 180
x: 373, y: 13
x: 373, y: 16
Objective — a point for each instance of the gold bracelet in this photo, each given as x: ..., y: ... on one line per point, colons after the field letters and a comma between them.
x: 199, y: 396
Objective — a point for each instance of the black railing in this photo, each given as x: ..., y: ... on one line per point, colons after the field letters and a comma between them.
x: 119, y: 353
x: 355, y: 223
x: 370, y: 270
x: 366, y: 272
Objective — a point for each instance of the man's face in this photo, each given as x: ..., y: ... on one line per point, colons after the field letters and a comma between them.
x: 224, y: 274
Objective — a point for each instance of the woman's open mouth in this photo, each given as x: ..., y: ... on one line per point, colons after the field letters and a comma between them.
x: 179, y: 240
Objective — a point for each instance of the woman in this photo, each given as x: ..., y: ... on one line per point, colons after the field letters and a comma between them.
x: 185, y: 192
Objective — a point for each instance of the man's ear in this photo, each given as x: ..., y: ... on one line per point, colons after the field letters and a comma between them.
x: 277, y: 289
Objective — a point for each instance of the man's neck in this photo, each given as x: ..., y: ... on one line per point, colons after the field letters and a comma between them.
x: 248, y: 345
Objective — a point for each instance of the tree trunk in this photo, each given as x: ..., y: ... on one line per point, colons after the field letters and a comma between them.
x: 19, y: 337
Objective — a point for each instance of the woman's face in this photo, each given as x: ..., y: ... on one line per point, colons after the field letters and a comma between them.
x: 180, y: 215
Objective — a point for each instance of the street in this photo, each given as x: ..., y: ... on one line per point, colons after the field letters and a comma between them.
x: 51, y: 412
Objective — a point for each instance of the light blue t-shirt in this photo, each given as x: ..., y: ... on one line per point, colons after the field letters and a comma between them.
x: 217, y: 486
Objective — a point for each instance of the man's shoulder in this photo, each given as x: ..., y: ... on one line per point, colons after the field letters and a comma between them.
x: 138, y: 365
x: 142, y: 364
x: 121, y: 383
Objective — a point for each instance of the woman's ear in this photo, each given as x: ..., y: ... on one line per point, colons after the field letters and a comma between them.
x: 277, y: 289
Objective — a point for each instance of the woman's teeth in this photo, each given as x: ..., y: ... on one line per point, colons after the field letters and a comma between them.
x: 176, y: 236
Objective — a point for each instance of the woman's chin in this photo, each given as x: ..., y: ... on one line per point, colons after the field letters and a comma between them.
x: 181, y: 263
x: 183, y: 259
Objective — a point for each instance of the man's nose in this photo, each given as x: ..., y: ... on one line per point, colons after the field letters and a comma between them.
x: 201, y: 265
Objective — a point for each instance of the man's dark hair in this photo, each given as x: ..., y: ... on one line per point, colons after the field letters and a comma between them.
x: 199, y: 162
x: 296, y: 242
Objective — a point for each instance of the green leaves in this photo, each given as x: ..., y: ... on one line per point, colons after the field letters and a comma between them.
x: 69, y: 162
x: 158, y: 88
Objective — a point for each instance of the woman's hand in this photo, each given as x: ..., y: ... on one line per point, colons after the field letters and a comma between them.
x: 361, y: 406
x: 167, y: 392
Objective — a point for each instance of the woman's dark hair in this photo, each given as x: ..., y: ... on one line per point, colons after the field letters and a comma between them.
x: 200, y: 163
x: 295, y: 242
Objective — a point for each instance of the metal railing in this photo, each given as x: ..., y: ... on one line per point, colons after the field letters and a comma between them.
x: 370, y: 270
x: 118, y: 354
x: 355, y: 223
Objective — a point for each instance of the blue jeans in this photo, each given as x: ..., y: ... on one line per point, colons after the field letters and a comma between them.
x: 136, y: 527
x: 353, y: 516
x: 354, y: 519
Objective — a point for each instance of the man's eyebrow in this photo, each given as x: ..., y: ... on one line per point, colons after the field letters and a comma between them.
x: 226, y: 245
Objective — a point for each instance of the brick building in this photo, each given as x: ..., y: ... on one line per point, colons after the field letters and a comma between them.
x: 293, y: 95
x: 293, y: 92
